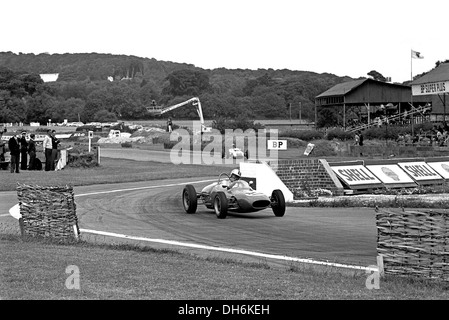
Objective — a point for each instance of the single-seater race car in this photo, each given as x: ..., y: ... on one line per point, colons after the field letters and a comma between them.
x: 238, y: 196
x: 234, y: 153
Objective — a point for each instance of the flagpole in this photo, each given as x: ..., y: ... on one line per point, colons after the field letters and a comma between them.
x: 411, y: 91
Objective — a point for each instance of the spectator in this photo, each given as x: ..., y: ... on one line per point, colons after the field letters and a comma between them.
x: 415, y: 139
x: 446, y: 139
x: 14, y: 149
x: 400, y: 140
x: 54, y: 150
x: 439, y: 134
x: 407, y: 139
x: 32, y: 152
x: 169, y: 125
x: 48, y: 147
x: 379, y: 122
x: 2, y: 148
x: 361, y: 142
x: 356, y: 139
x: 443, y: 138
x: 23, y: 151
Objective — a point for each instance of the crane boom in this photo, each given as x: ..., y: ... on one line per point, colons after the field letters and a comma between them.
x: 194, y: 101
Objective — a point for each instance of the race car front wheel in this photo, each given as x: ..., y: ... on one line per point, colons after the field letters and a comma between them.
x: 221, y: 205
x: 189, y: 199
x: 278, y: 203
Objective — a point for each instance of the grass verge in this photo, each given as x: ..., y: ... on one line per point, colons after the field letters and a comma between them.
x: 110, y: 171
x: 36, y: 269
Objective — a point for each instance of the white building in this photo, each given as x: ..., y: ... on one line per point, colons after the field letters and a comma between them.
x: 49, y: 77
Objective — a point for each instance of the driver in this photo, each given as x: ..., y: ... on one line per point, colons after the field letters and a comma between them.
x: 234, y: 177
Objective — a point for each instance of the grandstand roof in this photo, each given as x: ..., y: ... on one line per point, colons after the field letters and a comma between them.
x: 344, y: 88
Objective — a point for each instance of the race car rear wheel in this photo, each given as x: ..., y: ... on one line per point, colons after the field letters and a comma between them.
x: 189, y: 199
x: 221, y: 205
x: 278, y: 203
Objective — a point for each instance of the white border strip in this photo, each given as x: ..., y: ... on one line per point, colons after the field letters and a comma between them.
x: 229, y: 250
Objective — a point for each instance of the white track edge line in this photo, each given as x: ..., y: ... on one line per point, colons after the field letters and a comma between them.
x: 141, y: 188
x: 229, y: 250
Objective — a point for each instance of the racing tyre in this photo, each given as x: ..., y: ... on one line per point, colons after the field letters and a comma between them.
x: 189, y: 199
x: 278, y: 203
x: 221, y: 205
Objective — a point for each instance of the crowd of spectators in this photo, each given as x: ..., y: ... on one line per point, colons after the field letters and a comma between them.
x: 23, y: 151
x: 438, y: 136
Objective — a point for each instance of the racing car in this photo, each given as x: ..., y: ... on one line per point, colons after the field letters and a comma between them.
x: 235, y: 153
x: 238, y: 196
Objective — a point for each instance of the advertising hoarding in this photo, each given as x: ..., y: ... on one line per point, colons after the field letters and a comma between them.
x: 442, y: 168
x: 391, y: 175
x: 421, y: 172
x: 357, y: 177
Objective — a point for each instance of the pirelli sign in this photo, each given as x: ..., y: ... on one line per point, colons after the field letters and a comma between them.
x: 430, y: 88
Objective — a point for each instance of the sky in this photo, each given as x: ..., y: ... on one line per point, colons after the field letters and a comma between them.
x: 342, y: 37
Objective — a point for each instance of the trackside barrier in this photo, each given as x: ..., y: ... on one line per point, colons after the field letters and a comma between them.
x: 264, y: 179
x: 307, y: 177
x: 47, y: 211
x: 414, y: 243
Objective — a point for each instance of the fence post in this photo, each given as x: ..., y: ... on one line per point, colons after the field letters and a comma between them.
x: 22, y: 231
x: 380, y: 264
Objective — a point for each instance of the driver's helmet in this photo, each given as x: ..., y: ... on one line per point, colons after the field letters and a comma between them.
x: 235, y: 174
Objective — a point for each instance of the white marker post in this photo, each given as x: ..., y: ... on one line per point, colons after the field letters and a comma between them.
x: 91, y: 135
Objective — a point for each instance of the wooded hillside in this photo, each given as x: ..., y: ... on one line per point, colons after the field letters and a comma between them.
x: 83, y: 91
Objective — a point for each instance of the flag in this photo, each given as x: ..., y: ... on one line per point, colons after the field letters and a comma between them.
x: 417, y: 55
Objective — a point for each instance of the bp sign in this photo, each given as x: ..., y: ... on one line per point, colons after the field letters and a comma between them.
x: 430, y: 88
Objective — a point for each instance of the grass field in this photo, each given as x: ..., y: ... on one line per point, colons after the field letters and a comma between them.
x: 35, y: 269
x: 110, y: 171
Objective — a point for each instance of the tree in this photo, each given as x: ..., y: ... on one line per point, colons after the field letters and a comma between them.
x: 72, y: 109
x: 267, y: 103
x: 105, y: 116
x: 31, y: 82
x: 377, y: 76
x: 327, y: 117
x: 264, y: 80
x: 440, y: 62
x: 91, y: 107
x: 226, y: 106
x: 187, y: 82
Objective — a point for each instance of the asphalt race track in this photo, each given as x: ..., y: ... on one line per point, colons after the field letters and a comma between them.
x: 345, y: 235
x: 154, y: 210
